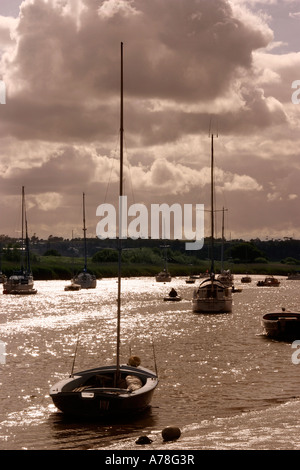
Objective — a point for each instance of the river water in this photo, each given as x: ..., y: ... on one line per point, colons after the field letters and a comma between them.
x: 221, y: 381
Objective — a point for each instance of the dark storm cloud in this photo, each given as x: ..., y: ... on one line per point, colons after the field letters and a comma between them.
x: 63, y: 79
x: 187, y: 64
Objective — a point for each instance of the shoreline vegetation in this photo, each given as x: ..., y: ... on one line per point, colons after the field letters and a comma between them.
x: 64, y: 268
x: 54, y: 268
x: 59, y: 259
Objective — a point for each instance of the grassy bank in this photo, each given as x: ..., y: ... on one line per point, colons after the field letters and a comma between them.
x: 60, y: 267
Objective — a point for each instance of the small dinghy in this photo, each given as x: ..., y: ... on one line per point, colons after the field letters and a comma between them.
x: 269, y: 281
x: 172, y: 299
x: 95, y: 392
x: 173, y: 296
x: 282, y: 325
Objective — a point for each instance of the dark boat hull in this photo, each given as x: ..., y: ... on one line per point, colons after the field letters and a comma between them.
x: 70, y: 397
x: 282, y: 326
x: 101, y: 405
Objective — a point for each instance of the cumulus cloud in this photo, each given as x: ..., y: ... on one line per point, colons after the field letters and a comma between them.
x: 63, y: 75
x: 295, y: 15
x: 186, y: 64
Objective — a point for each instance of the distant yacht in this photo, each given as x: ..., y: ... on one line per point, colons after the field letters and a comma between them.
x: 269, y: 281
x: 21, y: 282
x: 84, y: 279
x: 212, y: 296
x: 226, y: 278
x: 164, y: 275
x: 246, y: 279
x: 294, y: 277
x: 72, y: 286
x: 3, y: 278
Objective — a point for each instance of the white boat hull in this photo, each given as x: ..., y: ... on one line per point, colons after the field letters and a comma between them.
x: 19, y: 285
x: 85, y: 280
x: 212, y: 297
x: 163, y: 277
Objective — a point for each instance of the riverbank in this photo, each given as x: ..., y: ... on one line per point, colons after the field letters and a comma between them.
x: 63, y: 268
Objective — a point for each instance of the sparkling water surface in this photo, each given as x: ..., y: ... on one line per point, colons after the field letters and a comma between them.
x: 221, y: 381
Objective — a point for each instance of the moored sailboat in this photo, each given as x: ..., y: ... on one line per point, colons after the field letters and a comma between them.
x: 226, y: 278
x: 3, y: 277
x: 84, y: 279
x: 72, y: 286
x: 190, y: 280
x: 164, y: 275
x: 294, y: 277
x: 212, y: 296
x: 108, y: 391
x: 21, y: 281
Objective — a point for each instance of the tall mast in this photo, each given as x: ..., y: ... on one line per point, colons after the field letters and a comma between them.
x: 23, y: 213
x: 84, y: 232
x: 28, y: 268
x: 120, y: 221
x: 222, y: 250
x: 212, y: 269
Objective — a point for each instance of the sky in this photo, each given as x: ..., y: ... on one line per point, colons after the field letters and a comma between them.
x: 191, y: 68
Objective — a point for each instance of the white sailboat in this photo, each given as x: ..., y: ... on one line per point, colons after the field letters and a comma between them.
x: 164, y: 275
x: 3, y: 277
x: 212, y: 296
x: 72, y: 286
x: 84, y: 279
x: 108, y: 391
x: 21, y: 281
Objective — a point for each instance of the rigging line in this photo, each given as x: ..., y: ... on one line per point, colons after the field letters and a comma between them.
x: 74, y: 358
x: 154, y: 356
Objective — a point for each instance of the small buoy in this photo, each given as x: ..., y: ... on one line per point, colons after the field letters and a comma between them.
x: 170, y: 433
x: 134, y: 361
x: 143, y: 440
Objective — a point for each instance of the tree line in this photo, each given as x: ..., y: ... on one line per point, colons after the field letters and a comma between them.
x: 151, y: 251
